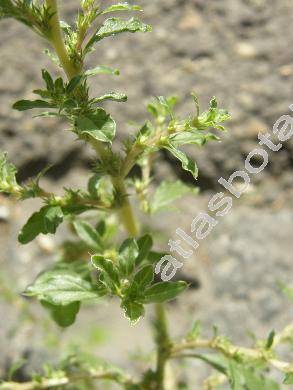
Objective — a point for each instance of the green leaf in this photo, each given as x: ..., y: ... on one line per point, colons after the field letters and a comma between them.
x: 270, y: 339
x: 93, y: 185
x: 235, y: 375
x: 187, y: 163
x: 161, y: 107
x: 114, y: 26
x: 194, y: 333
x: 61, y: 287
x: 101, y: 70
x: 218, y: 362
x: 133, y: 310
x: 116, y: 97
x: 145, y: 244
x: 109, y: 273
x: 48, y: 80
x: 73, y: 83
x: 98, y: 125
x: 288, y: 380
x: 88, y: 235
x: 15, y: 367
x: 121, y: 7
x: 288, y: 291
x: 45, y: 221
x: 7, y: 175
x: 211, y: 118
x: 163, y: 291
x: 128, y: 253
x: 23, y: 105
x: 167, y: 193
x: 144, y: 277
x: 192, y: 138
x: 65, y: 315
x: 255, y: 381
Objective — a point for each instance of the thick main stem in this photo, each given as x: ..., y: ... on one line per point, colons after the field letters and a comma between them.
x: 57, y: 41
x: 163, y: 344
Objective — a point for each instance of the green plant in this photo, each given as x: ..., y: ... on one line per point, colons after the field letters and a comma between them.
x: 125, y: 271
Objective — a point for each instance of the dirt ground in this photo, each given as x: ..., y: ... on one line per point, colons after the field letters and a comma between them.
x: 241, y: 51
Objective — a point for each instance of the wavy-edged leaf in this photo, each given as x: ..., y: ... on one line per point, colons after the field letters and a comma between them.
x: 98, y: 125
x: 167, y: 193
x: 144, y: 277
x: 133, y: 310
x: 7, y: 174
x: 192, y: 138
x: 128, y: 253
x: 65, y: 315
x: 88, y: 235
x: 145, y: 244
x: 163, y: 291
x: 23, y: 105
x: 61, y: 287
x: 121, y: 7
x: 114, y: 96
x: 101, y: 69
x: 114, y: 26
x: 187, y: 164
x: 109, y: 273
x: 44, y: 221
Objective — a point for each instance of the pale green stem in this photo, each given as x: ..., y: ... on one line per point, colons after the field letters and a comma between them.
x: 57, y: 41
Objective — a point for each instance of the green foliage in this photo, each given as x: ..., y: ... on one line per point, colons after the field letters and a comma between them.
x: 92, y: 263
x: 44, y: 221
x: 62, y: 287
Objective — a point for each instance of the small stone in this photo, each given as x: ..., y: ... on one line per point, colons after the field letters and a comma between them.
x: 190, y: 21
x: 246, y: 50
x: 4, y: 213
x: 286, y: 70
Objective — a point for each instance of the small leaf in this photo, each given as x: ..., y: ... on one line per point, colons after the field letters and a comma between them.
x: 101, y: 70
x: 163, y: 291
x: 288, y: 380
x: 187, y: 163
x: 45, y: 221
x: 61, y: 287
x: 167, y: 193
x: 15, y: 367
x: 128, y: 253
x: 194, y: 333
x: 235, y: 375
x: 73, y: 83
x: 88, y: 235
x: 145, y: 244
x: 110, y: 275
x: 98, y: 125
x: 218, y: 362
x: 192, y: 138
x: 121, y: 7
x: 93, y: 185
x: 7, y: 175
x: 48, y: 80
x: 133, y: 310
x: 23, y: 105
x: 65, y: 315
x: 114, y: 26
x: 270, y: 339
x: 116, y: 97
x: 144, y: 277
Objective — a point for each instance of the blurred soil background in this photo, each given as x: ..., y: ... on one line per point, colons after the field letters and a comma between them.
x: 241, y: 51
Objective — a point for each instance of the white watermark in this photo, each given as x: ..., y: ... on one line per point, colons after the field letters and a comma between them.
x: 220, y: 204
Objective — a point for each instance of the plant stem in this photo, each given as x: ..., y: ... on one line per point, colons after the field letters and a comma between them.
x: 57, y: 41
x: 163, y: 344
x: 126, y: 212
